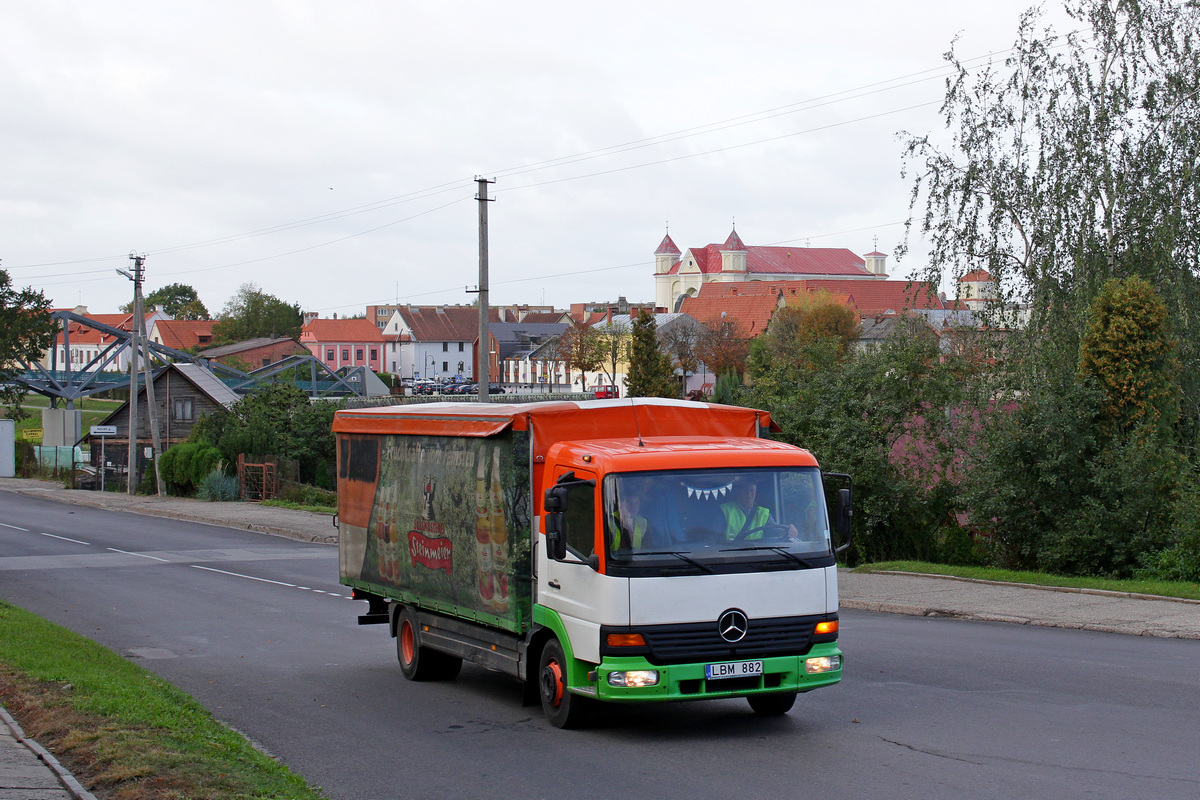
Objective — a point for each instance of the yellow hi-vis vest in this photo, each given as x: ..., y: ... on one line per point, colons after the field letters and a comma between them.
x: 639, y: 530
x: 735, y: 520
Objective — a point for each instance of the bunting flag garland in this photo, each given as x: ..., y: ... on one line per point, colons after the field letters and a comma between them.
x: 709, y: 494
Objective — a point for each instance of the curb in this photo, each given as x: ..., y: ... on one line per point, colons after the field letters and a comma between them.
x: 1066, y: 589
x: 64, y: 777
x: 922, y: 611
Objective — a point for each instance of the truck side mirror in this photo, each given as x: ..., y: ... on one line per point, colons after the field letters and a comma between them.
x: 843, y: 512
x: 843, y: 518
x: 555, y: 505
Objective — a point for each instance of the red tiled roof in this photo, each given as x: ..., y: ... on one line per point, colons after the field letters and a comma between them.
x: 868, y: 296
x: 749, y: 313
x: 878, y: 297
x: 82, y: 334
x: 446, y: 324
x: 976, y: 275
x: 543, y: 317
x: 781, y: 260
x: 340, y: 331
x: 183, y: 334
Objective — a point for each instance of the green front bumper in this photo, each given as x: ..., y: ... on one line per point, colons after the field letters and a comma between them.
x: 687, y: 681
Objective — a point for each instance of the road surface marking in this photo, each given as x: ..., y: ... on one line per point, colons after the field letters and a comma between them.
x: 265, y: 580
x: 139, y: 555
x: 14, y: 527
x: 240, y: 575
x: 66, y: 538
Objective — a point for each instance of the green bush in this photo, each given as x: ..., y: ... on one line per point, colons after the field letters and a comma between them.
x: 185, y: 465
x: 167, y: 465
x: 1180, y: 561
x: 205, y: 460
x: 728, y: 390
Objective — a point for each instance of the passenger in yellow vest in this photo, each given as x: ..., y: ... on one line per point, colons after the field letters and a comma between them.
x: 629, y: 526
x: 744, y: 518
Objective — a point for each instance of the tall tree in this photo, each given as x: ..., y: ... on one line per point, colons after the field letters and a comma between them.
x: 177, y: 299
x: 680, y: 341
x: 580, y: 347
x: 252, y: 313
x: 613, y: 346
x: 26, y: 331
x: 723, y: 350
x: 650, y: 371
x: 1073, y: 162
x: 1129, y: 354
x: 806, y: 333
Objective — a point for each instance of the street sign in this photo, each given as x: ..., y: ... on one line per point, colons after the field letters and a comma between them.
x: 104, y: 430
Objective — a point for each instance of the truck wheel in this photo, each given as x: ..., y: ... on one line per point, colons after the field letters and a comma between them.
x: 420, y: 663
x: 772, y: 705
x: 563, y: 709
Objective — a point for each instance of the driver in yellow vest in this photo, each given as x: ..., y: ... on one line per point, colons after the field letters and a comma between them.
x: 745, y: 519
x: 628, y: 525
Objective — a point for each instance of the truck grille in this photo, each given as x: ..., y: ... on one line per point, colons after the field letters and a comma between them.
x: 700, y: 641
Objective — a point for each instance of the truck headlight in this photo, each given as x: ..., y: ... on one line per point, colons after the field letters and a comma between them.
x: 815, y: 666
x: 634, y: 678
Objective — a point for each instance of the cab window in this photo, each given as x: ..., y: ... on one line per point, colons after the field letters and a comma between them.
x: 580, y: 519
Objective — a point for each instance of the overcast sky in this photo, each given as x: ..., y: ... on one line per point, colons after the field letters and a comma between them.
x: 326, y: 151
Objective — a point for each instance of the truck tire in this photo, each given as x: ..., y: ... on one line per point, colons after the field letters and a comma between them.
x: 772, y: 705
x: 420, y: 663
x: 562, y: 708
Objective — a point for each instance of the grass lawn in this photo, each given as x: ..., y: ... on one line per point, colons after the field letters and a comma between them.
x: 94, y: 411
x: 124, y: 732
x: 1189, y: 591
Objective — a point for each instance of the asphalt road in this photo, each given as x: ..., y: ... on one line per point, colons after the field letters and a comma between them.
x: 258, y: 630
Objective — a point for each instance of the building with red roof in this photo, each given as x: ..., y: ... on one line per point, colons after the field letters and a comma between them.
x: 183, y: 334
x: 977, y: 289
x: 344, y: 343
x: 439, y: 342
x: 682, y: 274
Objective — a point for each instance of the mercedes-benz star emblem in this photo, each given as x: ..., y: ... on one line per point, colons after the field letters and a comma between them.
x: 732, y: 625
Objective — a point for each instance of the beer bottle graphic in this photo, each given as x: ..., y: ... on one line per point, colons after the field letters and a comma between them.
x: 384, y: 542
x: 499, y: 536
x: 483, y: 533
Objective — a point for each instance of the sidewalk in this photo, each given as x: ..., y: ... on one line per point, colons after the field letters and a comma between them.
x: 25, y: 772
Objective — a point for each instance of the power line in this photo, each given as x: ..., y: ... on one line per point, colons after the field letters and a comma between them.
x: 731, y: 122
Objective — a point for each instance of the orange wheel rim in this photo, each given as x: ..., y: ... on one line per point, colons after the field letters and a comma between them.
x: 552, y: 681
x: 408, y: 643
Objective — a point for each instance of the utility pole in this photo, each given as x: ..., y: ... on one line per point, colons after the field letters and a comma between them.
x: 151, y: 403
x: 485, y: 356
x: 131, y: 464
x: 139, y: 342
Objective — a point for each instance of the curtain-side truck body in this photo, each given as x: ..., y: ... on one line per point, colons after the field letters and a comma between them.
x: 606, y: 550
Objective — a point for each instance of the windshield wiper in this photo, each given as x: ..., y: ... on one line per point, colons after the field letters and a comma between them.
x: 677, y: 554
x: 775, y: 548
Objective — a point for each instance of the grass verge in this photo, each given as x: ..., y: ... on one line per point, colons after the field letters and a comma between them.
x: 300, y: 506
x: 1189, y: 591
x: 124, y: 733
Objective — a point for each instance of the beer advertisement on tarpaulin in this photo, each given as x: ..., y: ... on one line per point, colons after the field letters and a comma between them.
x: 450, y: 522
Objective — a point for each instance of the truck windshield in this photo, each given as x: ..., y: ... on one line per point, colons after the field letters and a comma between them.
x: 704, y: 521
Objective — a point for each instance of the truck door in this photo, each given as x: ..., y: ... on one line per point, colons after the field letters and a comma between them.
x: 583, y: 598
